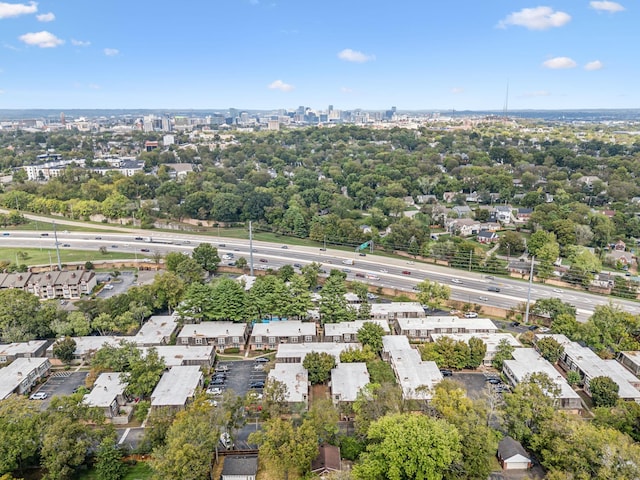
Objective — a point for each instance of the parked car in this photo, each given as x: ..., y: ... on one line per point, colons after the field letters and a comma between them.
x: 216, y: 381
x: 533, y: 327
x: 471, y: 315
x: 108, y: 286
x: 225, y: 440
x: 39, y: 396
x: 446, y: 372
x: 257, y: 384
x: 216, y: 391
x: 262, y: 360
x: 494, y: 380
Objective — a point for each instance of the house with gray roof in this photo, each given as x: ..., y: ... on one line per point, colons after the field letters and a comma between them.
x: 240, y: 467
x: 177, y: 387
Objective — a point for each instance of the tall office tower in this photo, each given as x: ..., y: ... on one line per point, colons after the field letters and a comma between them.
x: 330, y: 108
x: 63, y: 121
x: 166, y: 124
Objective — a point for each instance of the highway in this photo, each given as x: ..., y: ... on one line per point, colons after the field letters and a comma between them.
x: 373, y: 269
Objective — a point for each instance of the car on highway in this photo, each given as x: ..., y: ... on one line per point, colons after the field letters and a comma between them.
x: 144, y: 249
x: 346, y: 270
x: 114, y: 246
x: 371, y: 276
x: 493, y: 288
x: 362, y: 254
x: 557, y: 290
x: 471, y: 315
x: 138, y: 238
x: 44, y: 234
x: 284, y: 247
x: 5, y: 234
x: 483, y: 299
x: 98, y: 238
x: 489, y: 277
x: 384, y: 270
x: 360, y: 275
x: 264, y: 260
x: 66, y: 245
x: 297, y: 265
x: 456, y: 280
x: 406, y: 272
x: 221, y: 245
x: 39, y: 396
x: 323, y: 249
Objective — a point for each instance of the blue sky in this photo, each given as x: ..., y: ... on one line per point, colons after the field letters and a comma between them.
x: 414, y: 54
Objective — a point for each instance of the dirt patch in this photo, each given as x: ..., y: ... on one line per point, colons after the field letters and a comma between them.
x: 319, y: 392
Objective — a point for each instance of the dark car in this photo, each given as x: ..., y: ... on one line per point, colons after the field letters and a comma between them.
x: 262, y: 360
x: 297, y: 265
x: 264, y: 260
x: 284, y: 247
x: 221, y: 245
x: 44, y: 234
x: 258, y: 384
x: 216, y: 381
x: 493, y: 289
x: 139, y: 238
x: 98, y: 238
x: 446, y: 373
x: 533, y: 327
x: 362, y: 254
x: 144, y: 249
x: 494, y: 381
x: 515, y: 324
x: 66, y: 245
x: 323, y: 249
x: 406, y: 272
x: 360, y: 275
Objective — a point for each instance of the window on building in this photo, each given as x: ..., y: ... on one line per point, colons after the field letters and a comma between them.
x: 347, y: 337
x: 198, y: 341
x: 308, y: 338
x: 272, y: 340
x: 294, y: 339
x: 221, y: 341
x: 257, y: 339
x: 185, y: 341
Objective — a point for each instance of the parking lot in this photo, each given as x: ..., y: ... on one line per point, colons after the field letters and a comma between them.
x: 120, y: 284
x: 61, y: 384
x: 477, y: 384
x: 241, y: 374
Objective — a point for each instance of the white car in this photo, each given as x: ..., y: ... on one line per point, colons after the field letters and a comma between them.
x: 456, y: 280
x: 39, y: 396
x: 108, y: 286
x: 215, y: 391
x: 557, y: 290
x: 483, y: 299
x: 384, y: 270
x: 471, y: 315
x: 225, y: 440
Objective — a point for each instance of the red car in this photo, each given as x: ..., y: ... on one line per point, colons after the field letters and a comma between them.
x: 406, y: 272
x: 264, y: 260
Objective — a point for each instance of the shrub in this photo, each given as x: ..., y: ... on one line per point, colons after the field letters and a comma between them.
x: 232, y: 350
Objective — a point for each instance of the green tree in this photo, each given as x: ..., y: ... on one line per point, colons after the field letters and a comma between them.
x: 333, y: 303
x: 324, y: 417
x: 370, y: 335
x: 20, y: 428
x: 573, y: 378
x: 319, y: 366
x: 362, y: 290
x: 168, y: 289
x: 550, y: 349
x: 286, y: 449
x: 19, y: 319
x: 144, y: 373
x: 299, y: 298
x: 206, y: 255
x: 477, y: 352
x: 504, y: 352
x: 311, y: 272
x: 173, y: 259
x: 610, y: 329
x: 433, y: 294
x: 538, y: 240
x: 565, y: 324
x: 511, y: 243
x: 376, y: 400
x: 64, y: 349
x: 408, y: 446
x: 241, y: 263
x: 604, y: 391
x: 286, y: 272
x: 109, y: 465
x: 190, y: 271
x: 552, y: 308
x: 356, y: 355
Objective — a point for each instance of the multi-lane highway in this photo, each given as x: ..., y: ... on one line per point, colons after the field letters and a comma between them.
x: 377, y: 270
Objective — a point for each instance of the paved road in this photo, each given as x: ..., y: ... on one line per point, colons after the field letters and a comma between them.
x: 387, y: 272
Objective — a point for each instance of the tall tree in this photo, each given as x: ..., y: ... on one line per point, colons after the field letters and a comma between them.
x: 408, y: 446
x: 20, y: 428
x: 319, y: 365
x: 370, y: 334
x: 433, y: 294
x: 333, y: 303
x: 604, y: 391
x: 206, y: 255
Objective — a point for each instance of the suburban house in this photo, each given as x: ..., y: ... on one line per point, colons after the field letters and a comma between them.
x: 502, y: 214
x: 589, y: 365
x: 462, y: 211
x: 270, y: 335
x: 296, y: 379
x: 348, y: 331
x: 219, y: 334
x: 347, y: 379
x: 422, y: 328
x: 184, y: 355
x: 34, y: 348
x: 512, y: 455
x: 107, y: 394
x: 177, y: 387
x: 296, y: 352
x: 395, y: 310
x: 491, y: 340
x: 20, y: 375
x: 465, y: 227
x: 485, y: 236
x: 416, y: 377
x: 66, y: 284
x: 524, y: 214
x: 157, y: 330
x: 240, y: 467
x: 327, y: 461
x: 619, y: 256
x: 527, y: 361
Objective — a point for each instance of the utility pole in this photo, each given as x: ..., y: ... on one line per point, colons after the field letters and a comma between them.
x: 470, y: 258
x: 55, y: 236
x: 526, y: 315
x: 250, y: 249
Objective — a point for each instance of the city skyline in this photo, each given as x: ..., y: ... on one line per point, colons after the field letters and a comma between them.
x: 257, y: 54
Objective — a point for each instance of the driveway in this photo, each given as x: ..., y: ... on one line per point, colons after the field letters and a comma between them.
x: 475, y: 383
x: 61, y: 384
x: 120, y: 284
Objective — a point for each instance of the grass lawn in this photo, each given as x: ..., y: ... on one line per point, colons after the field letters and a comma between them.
x: 139, y: 471
x: 36, y: 256
x: 38, y: 226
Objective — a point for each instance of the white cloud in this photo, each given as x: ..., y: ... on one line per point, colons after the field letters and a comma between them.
x: 280, y: 85
x: 538, y: 18
x: 457, y: 90
x: 595, y: 65
x: 111, y: 52
x: 346, y: 90
x: 94, y: 86
x: 349, y: 55
x: 79, y: 43
x: 606, y: 6
x: 558, y: 63
x: 537, y: 93
x: 46, y: 17
x: 1, y: 92
x: 8, y: 10
x: 42, y: 39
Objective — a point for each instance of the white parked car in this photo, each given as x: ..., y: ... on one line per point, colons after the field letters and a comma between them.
x: 108, y: 286
x: 471, y: 315
x: 216, y: 391
x: 39, y: 396
x: 226, y: 441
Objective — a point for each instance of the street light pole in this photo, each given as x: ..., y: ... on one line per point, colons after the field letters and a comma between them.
x: 526, y: 315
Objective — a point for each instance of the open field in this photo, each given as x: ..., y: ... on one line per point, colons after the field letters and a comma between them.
x: 36, y: 256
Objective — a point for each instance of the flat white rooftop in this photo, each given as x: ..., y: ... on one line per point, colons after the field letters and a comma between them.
x: 448, y: 322
x: 21, y: 348
x: 105, y: 390
x: 378, y: 309
x: 395, y: 342
x: 347, y: 379
x: 352, y: 328
x: 156, y: 329
x: 295, y: 377
x: 177, y: 355
x: 213, y: 330
x: 301, y: 350
x: 527, y: 361
x: 287, y: 328
x: 176, y: 386
x: 86, y: 345
x: 16, y: 372
x: 491, y: 340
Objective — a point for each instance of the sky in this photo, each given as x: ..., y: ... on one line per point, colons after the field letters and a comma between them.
x: 267, y: 54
